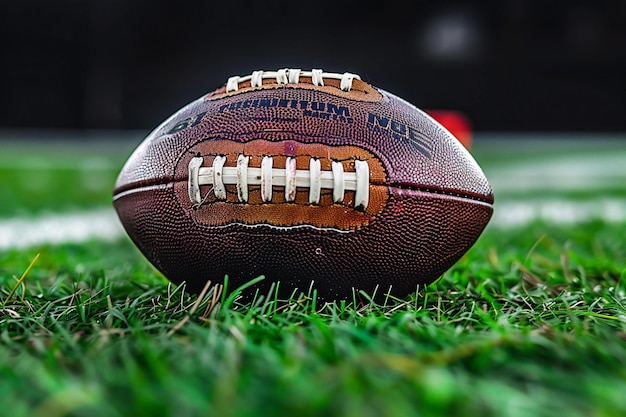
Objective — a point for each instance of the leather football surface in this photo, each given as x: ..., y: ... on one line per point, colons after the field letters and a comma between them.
x: 314, y: 180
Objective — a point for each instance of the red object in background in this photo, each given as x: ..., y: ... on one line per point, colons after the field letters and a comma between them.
x: 456, y: 122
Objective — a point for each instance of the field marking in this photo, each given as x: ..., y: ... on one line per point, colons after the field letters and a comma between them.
x: 520, y: 213
x: 567, y: 173
x: 103, y: 224
x: 74, y: 227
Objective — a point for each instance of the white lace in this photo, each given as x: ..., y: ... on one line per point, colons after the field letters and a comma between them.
x: 291, y: 76
x: 314, y: 179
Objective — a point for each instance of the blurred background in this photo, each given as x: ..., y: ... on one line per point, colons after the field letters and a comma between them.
x: 510, y: 65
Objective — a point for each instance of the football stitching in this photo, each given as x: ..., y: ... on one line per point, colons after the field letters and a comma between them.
x: 314, y: 179
x: 291, y: 76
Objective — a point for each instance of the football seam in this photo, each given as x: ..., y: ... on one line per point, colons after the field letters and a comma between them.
x: 467, y: 195
x: 463, y: 195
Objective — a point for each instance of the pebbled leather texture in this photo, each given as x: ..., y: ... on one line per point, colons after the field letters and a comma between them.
x: 430, y: 199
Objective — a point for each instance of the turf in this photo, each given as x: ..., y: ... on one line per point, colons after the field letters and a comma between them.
x: 44, y: 177
x: 531, y: 322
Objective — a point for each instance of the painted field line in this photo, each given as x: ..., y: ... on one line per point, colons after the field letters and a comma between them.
x: 103, y: 224
x: 72, y: 227
x: 563, y: 174
x: 520, y: 213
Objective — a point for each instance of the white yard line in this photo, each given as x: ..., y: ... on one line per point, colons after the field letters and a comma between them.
x: 74, y: 227
x: 591, y: 171
x: 520, y: 213
x: 103, y: 224
x: 573, y: 173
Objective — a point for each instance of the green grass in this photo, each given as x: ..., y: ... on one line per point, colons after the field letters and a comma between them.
x: 528, y: 323
x: 52, y: 177
x: 531, y: 322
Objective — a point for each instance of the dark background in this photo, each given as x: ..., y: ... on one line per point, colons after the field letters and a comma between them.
x: 510, y: 65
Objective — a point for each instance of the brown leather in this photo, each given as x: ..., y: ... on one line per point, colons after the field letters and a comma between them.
x: 429, y: 200
x: 278, y: 212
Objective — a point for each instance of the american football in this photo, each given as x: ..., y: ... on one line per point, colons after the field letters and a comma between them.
x: 314, y: 180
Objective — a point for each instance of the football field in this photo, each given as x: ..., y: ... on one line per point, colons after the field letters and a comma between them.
x: 531, y: 322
